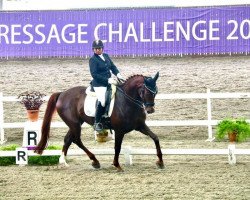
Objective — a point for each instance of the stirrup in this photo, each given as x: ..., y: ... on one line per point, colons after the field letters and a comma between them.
x: 98, y: 127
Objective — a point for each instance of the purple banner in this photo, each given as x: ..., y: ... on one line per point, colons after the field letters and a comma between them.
x: 126, y: 32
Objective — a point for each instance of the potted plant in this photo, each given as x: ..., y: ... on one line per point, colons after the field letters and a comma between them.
x: 32, y: 102
x: 236, y: 129
x: 102, y: 136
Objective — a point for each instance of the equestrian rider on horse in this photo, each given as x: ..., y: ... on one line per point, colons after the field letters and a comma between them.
x: 101, y: 67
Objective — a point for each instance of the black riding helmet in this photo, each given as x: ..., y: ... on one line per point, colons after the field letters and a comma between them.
x: 97, y: 44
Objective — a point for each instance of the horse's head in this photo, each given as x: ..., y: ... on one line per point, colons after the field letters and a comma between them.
x: 141, y: 91
x: 148, y: 92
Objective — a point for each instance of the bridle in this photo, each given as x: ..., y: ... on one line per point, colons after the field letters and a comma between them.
x: 153, y: 92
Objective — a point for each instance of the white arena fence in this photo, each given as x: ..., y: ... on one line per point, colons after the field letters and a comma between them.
x: 128, y: 152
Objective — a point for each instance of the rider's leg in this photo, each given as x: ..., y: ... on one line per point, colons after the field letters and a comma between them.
x: 107, y: 100
x: 98, y: 115
x: 100, y: 93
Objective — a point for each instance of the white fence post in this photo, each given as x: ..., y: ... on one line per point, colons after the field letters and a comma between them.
x: 209, y: 116
x: 128, y: 156
x: 231, y: 154
x: 1, y: 119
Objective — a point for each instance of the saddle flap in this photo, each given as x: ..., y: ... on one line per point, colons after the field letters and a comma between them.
x: 91, y: 100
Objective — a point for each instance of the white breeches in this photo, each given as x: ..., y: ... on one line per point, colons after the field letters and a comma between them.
x: 100, y: 94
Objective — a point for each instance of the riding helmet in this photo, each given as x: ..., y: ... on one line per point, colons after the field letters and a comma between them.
x: 97, y: 44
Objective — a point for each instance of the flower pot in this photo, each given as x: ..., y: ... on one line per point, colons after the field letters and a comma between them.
x: 102, y: 137
x: 33, y: 115
x: 232, y: 137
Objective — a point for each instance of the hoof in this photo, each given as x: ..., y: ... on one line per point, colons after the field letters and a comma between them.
x: 160, y: 165
x: 62, y: 161
x: 62, y: 166
x: 96, y: 164
x: 119, y: 169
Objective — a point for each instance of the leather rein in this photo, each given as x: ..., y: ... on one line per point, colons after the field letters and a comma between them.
x: 139, y: 103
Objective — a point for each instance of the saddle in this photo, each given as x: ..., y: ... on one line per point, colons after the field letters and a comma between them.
x: 91, y: 101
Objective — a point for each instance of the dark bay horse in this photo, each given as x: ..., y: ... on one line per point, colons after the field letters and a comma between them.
x: 133, y: 99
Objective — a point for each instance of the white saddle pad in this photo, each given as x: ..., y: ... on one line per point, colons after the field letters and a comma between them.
x: 90, y: 102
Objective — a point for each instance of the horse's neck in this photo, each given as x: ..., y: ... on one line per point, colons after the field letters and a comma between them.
x: 129, y: 97
x: 132, y: 85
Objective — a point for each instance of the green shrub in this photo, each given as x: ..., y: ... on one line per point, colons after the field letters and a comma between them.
x: 45, y: 160
x: 5, y: 161
x: 239, y: 126
x: 32, y: 160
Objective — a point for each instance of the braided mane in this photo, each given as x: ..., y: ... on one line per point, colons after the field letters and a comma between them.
x: 131, y: 78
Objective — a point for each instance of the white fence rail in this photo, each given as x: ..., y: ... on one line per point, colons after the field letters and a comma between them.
x: 134, y: 151
x: 209, y: 122
x: 231, y: 152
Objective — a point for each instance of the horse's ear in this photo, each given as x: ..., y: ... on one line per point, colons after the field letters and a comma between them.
x: 156, y: 76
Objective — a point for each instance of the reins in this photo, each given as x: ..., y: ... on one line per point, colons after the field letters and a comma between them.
x: 141, y: 104
x: 137, y: 102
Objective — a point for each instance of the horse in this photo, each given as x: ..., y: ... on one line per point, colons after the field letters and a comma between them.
x: 134, y: 99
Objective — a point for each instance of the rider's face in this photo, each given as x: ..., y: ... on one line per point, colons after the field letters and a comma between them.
x: 98, y: 51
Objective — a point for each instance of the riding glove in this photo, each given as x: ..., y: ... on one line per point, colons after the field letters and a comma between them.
x: 112, y: 81
x: 119, y: 76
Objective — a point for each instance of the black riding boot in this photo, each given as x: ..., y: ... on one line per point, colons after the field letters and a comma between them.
x: 98, y: 115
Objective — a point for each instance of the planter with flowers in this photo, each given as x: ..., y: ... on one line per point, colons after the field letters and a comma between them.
x: 32, y: 102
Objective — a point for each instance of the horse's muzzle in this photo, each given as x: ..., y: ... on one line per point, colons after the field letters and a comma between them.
x: 150, y: 109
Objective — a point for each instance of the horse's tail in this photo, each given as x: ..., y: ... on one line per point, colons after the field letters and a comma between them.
x: 51, y: 106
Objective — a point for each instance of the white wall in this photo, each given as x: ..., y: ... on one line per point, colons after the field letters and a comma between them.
x: 80, y: 4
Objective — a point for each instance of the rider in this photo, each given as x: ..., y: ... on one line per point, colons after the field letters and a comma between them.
x: 101, y: 67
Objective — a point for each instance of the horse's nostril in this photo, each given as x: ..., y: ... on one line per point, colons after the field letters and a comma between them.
x: 151, y: 110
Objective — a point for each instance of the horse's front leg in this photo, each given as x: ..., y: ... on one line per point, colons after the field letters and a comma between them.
x: 118, y: 144
x: 146, y: 130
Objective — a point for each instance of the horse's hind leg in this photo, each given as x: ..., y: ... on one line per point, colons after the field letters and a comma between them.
x: 77, y: 140
x: 95, y: 162
x: 67, y: 142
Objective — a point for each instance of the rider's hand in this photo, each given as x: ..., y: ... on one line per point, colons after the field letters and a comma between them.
x: 112, y: 81
x: 119, y: 76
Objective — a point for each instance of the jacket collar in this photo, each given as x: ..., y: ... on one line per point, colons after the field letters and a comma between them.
x: 98, y: 57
